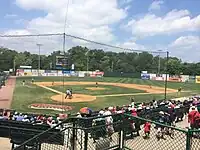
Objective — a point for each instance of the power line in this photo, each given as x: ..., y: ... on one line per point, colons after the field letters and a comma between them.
x: 86, y: 40
x: 30, y: 35
x: 103, y: 44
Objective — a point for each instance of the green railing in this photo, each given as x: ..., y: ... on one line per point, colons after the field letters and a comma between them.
x: 94, y: 134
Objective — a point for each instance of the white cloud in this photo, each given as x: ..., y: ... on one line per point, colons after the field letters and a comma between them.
x: 173, y: 22
x: 187, y: 41
x: 91, y: 19
x: 85, y: 17
x: 10, y: 16
x: 156, y: 5
x: 131, y: 44
x: 186, y: 47
x: 17, y: 32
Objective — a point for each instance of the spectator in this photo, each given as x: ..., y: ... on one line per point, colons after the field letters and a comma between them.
x: 25, y: 119
x: 191, y: 117
x: 147, y: 128
x: 134, y: 112
x: 155, y: 104
x: 19, y: 117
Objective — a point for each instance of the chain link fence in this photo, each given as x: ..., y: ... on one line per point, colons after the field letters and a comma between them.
x: 78, y: 134
x: 194, y: 140
x: 143, y: 134
x: 125, y: 132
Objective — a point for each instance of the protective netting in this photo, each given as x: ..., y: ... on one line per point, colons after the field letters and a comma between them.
x: 77, y: 134
x: 118, y: 59
x: 194, y: 140
x: 94, y: 133
x: 159, y: 137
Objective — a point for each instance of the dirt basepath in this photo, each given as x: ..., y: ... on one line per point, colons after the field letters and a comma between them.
x: 147, y: 88
x: 86, y: 98
x: 6, y: 93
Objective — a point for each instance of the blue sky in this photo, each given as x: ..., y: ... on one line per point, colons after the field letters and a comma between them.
x: 138, y: 24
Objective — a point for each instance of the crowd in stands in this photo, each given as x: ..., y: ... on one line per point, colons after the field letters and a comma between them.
x: 165, y: 112
x: 31, y: 118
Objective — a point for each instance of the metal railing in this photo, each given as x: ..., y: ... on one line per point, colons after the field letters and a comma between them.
x: 78, y: 134
x: 126, y: 132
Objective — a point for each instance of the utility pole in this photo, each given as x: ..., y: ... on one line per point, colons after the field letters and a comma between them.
x: 166, y: 75
x: 87, y: 61
x: 39, y: 45
x: 159, y: 62
x: 112, y: 65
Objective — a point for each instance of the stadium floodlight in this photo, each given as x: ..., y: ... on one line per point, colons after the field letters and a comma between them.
x: 39, y: 45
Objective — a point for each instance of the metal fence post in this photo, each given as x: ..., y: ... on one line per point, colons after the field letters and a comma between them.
x: 122, y: 133
x: 188, y: 140
x: 73, y: 136
x: 86, y: 140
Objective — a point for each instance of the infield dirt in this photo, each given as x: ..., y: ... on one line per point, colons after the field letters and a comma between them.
x: 85, y: 98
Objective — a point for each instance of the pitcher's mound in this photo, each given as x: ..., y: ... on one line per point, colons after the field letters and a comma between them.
x: 95, y: 88
x: 75, y: 98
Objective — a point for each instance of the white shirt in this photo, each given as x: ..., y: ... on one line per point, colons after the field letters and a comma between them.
x: 68, y: 92
x: 155, y: 104
x: 109, y: 118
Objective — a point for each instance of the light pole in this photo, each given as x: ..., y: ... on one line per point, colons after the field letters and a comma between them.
x: 159, y: 62
x: 87, y: 61
x: 39, y: 45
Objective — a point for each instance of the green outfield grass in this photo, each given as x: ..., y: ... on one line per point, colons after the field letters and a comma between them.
x: 81, y: 89
x: 27, y: 95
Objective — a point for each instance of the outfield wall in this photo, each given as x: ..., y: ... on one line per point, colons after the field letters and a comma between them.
x: 162, y: 77
x: 34, y: 72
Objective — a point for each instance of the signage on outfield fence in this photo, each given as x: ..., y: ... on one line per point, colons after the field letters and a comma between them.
x: 145, y: 76
x: 197, y: 79
x: 66, y: 71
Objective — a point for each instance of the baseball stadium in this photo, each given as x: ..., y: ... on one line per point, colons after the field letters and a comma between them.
x: 72, y: 100
x: 72, y: 90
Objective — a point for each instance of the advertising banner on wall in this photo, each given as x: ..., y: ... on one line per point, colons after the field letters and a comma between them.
x: 197, y: 79
x: 51, y: 74
x: 81, y: 74
x: 27, y: 73
x: 74, y: 74
x: 97, y: 74
x: 174, y: 79
x: 159, y: 78
x: 152, y: 76
x: 20, y: 72
x: 192, y: 79
x: 27, y: 70
x: 145, y: 76
x: 60, y: 73
x: 184, y: 78
x: 34, y: 72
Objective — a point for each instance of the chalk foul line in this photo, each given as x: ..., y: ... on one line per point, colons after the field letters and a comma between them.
x: 50, y: 89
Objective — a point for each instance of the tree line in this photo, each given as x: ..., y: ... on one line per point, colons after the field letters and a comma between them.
x: 97, y: 59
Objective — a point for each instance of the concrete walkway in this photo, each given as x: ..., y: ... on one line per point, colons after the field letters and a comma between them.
x: 6, y: 93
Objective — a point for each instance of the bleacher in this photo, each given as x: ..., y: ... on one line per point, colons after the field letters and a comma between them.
x: 19, y: 132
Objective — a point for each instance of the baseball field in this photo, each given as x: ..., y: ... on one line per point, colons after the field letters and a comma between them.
x: 47, y: 94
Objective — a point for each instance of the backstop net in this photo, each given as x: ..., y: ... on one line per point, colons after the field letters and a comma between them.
x: 70, y: 56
